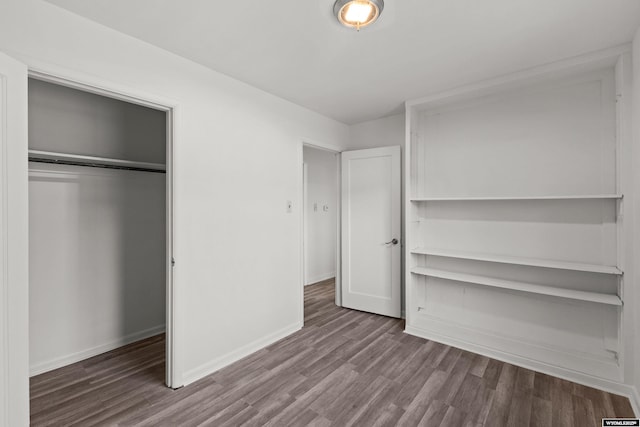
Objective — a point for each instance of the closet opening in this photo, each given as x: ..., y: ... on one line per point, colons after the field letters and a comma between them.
x: 321, y: 207
x: 100, y: 234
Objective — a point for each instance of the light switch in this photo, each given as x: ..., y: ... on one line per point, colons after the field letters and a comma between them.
x: 289, y: 206
x: 315, y: 207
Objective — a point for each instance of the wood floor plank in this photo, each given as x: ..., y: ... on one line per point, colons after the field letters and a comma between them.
x: 542, y: 386
x: 479, y: 365
x: 453, y: 417
x: 437, y: 353
x: 621, y: 406
x: 583, y: 412
x: 524, y: 380
x: 371, y: 401
x: 434, y: 414
x: 390, y: 417
x: 376, y: 406
x: 420, y: 404
x: 386, y: 364
x: 562, y: 409
x: 345, y: 367
x: 492, y: 373
x: 456, y: 375
x: 353, y: 398
x: 541, y: 414
x: 601, y: 401
x: 450, y: 359
x: 214, y: 415
x: 470, y: 390
x: 411, y: 387
x: 333, y: 393
x: 520, y: 410
x: 370, y: 355
x: 478, y: 412
x: 269, y: 409
x: 501, y: 404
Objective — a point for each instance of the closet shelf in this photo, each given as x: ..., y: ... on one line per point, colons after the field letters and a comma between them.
x: 497, y: 198
x: 532, y: 262
x: 520, y: 286
x: 81, y: 160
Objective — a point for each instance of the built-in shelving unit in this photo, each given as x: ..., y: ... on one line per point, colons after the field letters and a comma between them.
x: 514, y: 200
x: 532, y: 262
x: 520, y: 286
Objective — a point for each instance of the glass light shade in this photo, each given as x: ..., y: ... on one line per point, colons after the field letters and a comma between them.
x: 357, y: 13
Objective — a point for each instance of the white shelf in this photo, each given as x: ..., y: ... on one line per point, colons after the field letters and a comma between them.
x: 533, y: 262
x: 470, y: 199
x: 520, y: 286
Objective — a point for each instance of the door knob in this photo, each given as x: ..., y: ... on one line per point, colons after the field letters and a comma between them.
x: 392, y: 242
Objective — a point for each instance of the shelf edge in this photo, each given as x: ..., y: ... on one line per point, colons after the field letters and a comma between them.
x: 594, y: 297
x: 530, y: 262
x: 515, y: 198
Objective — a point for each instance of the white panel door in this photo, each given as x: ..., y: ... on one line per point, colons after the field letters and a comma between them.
x: 14, y: 270
x: 371, y: 230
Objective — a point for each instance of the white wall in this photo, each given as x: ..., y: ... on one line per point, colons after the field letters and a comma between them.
x: 320, y: 224
x: 237, y: 162
x: 636, y: 168
x: 96, y: 261
x: 377, y: 133
x: 69, y: 120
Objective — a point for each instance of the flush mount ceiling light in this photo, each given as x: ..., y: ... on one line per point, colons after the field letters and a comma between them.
x: 357, y: 13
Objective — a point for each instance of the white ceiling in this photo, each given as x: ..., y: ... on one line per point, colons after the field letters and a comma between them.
x: 294, y: 48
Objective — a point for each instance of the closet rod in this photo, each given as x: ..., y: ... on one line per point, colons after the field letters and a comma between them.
x: 95, y: 162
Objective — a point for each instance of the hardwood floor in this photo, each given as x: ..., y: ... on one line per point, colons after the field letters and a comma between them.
x: 343, y: 368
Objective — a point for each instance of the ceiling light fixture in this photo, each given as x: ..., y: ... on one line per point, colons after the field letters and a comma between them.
x: 357, y: 13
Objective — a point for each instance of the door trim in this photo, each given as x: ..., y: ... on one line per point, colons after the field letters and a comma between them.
x: 4, y: 260
x: 109, y: 89
x: 14, y: 316
x: 305, y: 234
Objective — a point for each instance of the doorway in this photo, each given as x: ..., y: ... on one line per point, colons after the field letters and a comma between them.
x: 367, y: 258
x: 101, y: 215
x: 321, y: 207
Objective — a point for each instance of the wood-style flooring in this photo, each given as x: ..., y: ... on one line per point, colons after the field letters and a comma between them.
x: 343, y: 368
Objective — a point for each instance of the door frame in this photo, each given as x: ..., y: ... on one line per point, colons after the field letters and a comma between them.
x: 93, y: 84
x: 14, y: 269
x: 302, y: 196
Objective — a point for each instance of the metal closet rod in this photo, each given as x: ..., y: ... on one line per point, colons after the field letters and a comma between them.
x: 94, y: 162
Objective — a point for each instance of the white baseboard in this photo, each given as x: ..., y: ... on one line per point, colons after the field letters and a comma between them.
x: 567, y: 374
x: 59, y: 362
x: 229, y: 358
x: 319, y: 278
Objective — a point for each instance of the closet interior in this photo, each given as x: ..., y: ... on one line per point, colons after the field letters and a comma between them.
x: 97, y: 224
x: 514, y: 215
